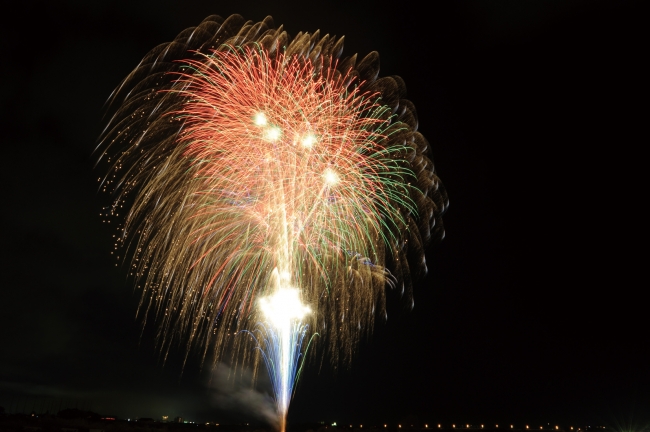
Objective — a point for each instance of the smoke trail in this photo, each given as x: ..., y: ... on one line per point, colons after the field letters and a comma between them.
x: 234, y: 391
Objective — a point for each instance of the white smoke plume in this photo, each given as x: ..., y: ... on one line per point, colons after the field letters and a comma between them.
x: 235, y: 391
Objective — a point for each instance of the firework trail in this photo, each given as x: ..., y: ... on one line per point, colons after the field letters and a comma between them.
x: 268, y: 185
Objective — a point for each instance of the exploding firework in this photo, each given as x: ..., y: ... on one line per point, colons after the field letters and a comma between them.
x: 269, y: 186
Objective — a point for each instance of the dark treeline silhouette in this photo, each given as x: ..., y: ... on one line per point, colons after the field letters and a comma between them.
x: 74, y: 413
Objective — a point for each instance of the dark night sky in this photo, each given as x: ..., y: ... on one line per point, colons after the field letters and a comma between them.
x: 533, y: 310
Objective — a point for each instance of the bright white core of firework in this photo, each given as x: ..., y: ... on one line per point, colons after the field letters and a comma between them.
x: 283, y: 306
x: 308, y: 141
x: 273, y: 133
x: 260, y: 119
x: 331, y: 177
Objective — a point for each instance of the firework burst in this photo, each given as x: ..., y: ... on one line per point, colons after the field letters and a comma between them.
x: 260, y: 172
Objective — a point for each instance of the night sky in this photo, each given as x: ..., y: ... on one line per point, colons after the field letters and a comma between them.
x: 533, y: 310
